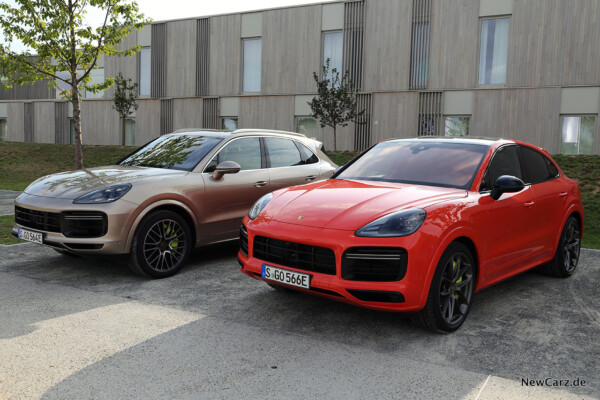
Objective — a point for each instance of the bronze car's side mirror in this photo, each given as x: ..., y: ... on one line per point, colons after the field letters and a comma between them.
x: 226, y: 167
x: 506, y: 184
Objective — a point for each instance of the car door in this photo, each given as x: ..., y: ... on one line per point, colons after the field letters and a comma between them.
x: 505, y: 224
x: 289, y: 164
x: 228, y: 199
x: 549, y: 196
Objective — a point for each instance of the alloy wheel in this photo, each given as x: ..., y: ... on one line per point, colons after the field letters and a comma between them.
x: 572, y: 245
x: 165, y: 245
x: 456, y: 288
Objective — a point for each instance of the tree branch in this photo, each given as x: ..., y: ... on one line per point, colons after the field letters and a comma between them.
x: 99, y: 44
x: 34, y: 67
x: 35, y: 19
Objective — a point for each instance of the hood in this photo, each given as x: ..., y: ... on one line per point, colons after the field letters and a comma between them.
x: 70, y: 185
x: 349, y: 205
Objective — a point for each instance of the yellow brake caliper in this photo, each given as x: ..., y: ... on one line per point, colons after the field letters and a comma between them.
x: 459, y: 280
x: 174, y: 243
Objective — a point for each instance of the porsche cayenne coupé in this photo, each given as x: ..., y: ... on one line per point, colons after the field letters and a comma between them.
x: 418, y: 225
x: 177, y: 192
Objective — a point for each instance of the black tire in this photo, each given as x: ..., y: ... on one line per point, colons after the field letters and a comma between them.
x: 66, y: 253
x: 566, y: 256
x: 451, y: 291
x: 161, y: 245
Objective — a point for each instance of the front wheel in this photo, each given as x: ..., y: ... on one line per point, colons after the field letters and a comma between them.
x: 566, y: 257
x: 451, y: 292
x: 161, y: 245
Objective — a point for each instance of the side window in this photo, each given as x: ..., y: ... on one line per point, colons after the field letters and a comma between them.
x: 552, y: 168
x: 282, y: 152
x: 245, y: 152
x: 505, y: 161
x: 307, y: 155
x: 535, y: 166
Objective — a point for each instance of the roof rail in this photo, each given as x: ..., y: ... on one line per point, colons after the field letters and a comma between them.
x: 199, y: 130
x: 267, y: 131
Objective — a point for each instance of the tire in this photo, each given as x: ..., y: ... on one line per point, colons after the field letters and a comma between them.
x: 566, y: 257
x: 451, y: 291
x: 161, y: 245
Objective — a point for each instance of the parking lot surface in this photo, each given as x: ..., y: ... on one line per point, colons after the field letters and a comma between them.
x: 76, y: 328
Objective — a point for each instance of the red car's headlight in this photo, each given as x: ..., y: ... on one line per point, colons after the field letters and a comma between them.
x: 401, y: 223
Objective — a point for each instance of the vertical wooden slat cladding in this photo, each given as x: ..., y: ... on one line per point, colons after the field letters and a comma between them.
x: 62, y: 131
x: 43, y: 122
x: 454, y: 40
x: 187, y: 113
x: 395, y: 115
x: 100, y: 123
x: 180, y: 59
x: 158, y: 60
x: 28, y: 121
x: 202, y: 55
x: 128, y: 66
x: 354, y: 22
x: 267, y: 112
x: 166, y: 116
x: 38, y: 90
x: 291, y: 49
x: 554, y: 43
x: 210, y: 113
x: 531, y: 115
x: 362, y: 128
x: 225, y: 55
x: 430, y: 114
x: 420, y: 33
x: 147, y: 124
x: 15, y: 122
x: 387, y: 45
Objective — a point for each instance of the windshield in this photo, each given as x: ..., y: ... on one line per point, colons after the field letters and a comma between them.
x: 420, y: 162
x: 172, y: 152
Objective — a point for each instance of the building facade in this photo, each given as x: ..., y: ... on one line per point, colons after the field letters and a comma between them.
x: 518, y: 69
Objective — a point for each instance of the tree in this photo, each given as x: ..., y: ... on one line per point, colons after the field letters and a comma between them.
x: 64, y: 48
x: 336, y: 101
x: 125, y: 99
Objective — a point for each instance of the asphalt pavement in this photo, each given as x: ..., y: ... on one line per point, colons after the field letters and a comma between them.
x: 76, y: 328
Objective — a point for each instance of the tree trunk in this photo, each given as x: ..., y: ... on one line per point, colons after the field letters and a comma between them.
x: 123, y: 126
x: 77, y: 123
x: 334, y: 138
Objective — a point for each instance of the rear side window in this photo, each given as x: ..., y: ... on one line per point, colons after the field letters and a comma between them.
x: 504, y: 162
x: 282, y: 152
x: 307, y: 155
x: 535, y: 166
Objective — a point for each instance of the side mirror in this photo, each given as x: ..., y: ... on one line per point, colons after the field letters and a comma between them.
x: 506, y: 184
x: 226, y: 167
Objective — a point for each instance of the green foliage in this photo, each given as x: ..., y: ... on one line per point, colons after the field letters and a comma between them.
x: 335, y: 103
x: 125, y: 96
x: 6, y: 224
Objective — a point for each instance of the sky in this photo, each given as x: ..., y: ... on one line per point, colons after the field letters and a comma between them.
x: 160, y: 10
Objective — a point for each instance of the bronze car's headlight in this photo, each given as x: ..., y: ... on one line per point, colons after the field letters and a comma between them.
x: 259, y: 205
x: 106, y: 195
x: 401, y: 223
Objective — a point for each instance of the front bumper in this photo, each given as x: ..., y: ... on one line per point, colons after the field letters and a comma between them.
x: 119, y: 221
x: 407, y: 294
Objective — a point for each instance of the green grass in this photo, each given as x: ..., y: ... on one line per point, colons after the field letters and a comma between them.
x: 22, y: 163
x: 6, y: 224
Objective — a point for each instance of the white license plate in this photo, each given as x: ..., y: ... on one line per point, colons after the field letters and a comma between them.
x: 284, y: 276
x: 30, y: 236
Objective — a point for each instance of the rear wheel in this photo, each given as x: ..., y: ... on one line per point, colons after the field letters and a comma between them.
x: 161, y: 245
x: 566, y: 257
x: 451, y: 292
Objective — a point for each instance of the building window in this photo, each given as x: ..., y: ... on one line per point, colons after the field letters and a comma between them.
x: 493, y: 51
x: 2, y: 129
x: 333, y: 49
x: 252, y: 65
x: 129, y: 132
x: 307, y: 126
x: 578, y: 134
x: 144, y: 72
x: 71, y: 131
x: 229, y: 123
x: 457, y: 126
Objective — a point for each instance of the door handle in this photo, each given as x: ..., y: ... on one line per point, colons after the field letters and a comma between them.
x: 311, y: 177
x: 562, y: 195
x: 529, y: 204
x: 260, y: 183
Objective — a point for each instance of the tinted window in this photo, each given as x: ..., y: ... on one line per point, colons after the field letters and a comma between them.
x: 535, y: 166
x: 422, y: 162
x: 505, y: 161
x: 245, y: 152
x: 307, y: 156
x: 282, y: 152
x: 172, y: 152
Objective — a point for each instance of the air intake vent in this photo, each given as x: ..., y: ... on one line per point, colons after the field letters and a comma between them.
x: 295, y: 255
x: 374, y: 264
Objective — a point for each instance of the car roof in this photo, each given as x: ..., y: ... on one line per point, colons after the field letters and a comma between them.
x: 457, y: 139
x: 237, y: 132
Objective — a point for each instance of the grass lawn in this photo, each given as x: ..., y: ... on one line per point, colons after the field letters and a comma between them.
x: 6, y: 224
x: 21, y: 163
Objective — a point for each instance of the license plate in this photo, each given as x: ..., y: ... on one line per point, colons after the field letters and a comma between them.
x: 284, y: 276
x: 30, y: 236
